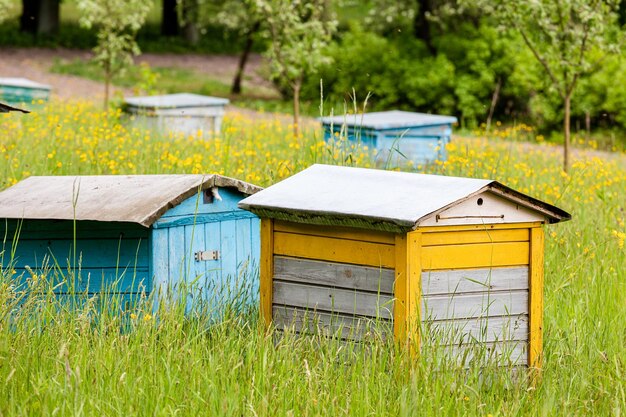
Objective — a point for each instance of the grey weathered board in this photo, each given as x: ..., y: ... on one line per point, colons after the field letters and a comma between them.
x: 458, y: 306
x: 334, y: 274
x: 503, y: 354
x: 474, y: 280
x: 488, y: 329
x: 338, y: 325
x: 333, y: 300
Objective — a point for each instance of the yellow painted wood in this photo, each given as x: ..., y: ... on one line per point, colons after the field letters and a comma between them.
x: 335, y: 232
x: 478, y: 255
x: 427, y: 229
x: 535, y: 351
x: 414, y: 275
x: 337, y: 250
x: 400, y: 291
x: 475, y: 236
x: 267, y: 269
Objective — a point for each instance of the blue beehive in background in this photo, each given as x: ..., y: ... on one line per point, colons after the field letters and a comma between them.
x: 418, y: 137
x: 21, y: 90
x: 134, y: 235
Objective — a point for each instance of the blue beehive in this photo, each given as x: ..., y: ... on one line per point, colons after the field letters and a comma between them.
x: 21, y: 90
x: 418, y: 137
x: 134, y: 235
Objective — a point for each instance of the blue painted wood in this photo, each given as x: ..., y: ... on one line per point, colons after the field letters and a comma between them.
x: 160, y: 265
x: 92, y: 281
x: 125, y: 258
x: 184, y: 220
x: 90, y: 253
x: 195, y: 205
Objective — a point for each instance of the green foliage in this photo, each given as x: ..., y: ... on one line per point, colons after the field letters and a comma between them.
x: 298, y: 31
x: 5, y: 9
x: 400, y: 73
x: 118, y: 22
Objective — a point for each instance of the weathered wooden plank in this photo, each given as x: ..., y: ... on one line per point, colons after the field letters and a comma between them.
x: 459, y: 281
x: 187, y: 220
x: 160, y: 264
x: 475, y: 236
x: 94, y: 280
x: 196, y: 205
x: 177, y: 261
x: 267, y: 270
x: 487, y: 329
x: 481, y: 227
x: 483, y: 354
x: 92, y: 253
x: 229, y: 249
x: 475, y: 255
x: 536, y: 298
x: 401, y: 290
x: 336, y: 325
x: 334, y: 274
x: 337, y: 250
x: 332, y: 300
x: 456, y: 306
x: 336, y: 232
x: 244, y: 247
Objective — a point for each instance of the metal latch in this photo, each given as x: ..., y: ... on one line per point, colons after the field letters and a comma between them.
x: 207, y: 255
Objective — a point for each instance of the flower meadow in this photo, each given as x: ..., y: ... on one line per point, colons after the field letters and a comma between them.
x: 72, y: 363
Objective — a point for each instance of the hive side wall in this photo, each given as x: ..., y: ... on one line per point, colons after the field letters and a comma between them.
x: 337, y: 281
x: 477, y: 292
x: 112, y: 258
x: 199, y: 225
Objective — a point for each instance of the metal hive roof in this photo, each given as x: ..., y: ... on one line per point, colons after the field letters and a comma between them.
x: 141, y: 199
x: 394, y: 119
x: 381, y: 199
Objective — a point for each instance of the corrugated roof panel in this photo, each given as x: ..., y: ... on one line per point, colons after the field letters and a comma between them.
x: 134, y: 198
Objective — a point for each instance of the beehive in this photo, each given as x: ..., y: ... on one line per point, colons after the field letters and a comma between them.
x: 132, y: 235
x: 178, y: 113
x: 395, y: 136
x: 455, y: 261
x: 21, y: 91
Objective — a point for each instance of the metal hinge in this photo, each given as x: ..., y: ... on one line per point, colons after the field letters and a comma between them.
x: 207, y: 255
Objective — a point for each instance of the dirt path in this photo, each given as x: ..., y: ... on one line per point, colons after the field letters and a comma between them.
x: 35, y: 63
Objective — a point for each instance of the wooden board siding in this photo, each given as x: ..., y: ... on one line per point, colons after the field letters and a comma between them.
x: 113, y: 257
x: 484, y: 354
x: 478, y: 255
x: 332, y: 281
x: 338, y: 250
x: 217, y: 281
x: 475, y: 286
x: 347, y: 327
x: 487, y: 329
x: 474, y: 280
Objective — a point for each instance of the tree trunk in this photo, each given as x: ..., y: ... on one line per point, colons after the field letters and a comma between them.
x: 191, y: 33
x: 296, y: 108
x: 566, y: 131
x: 40, y: 17
x: 494, y: 101
x: 169, y: 19
x: 421, y: 25
x: 243, y: 59
x: 588, y: 124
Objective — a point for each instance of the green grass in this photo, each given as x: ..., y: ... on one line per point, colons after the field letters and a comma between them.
x: 68, y: 363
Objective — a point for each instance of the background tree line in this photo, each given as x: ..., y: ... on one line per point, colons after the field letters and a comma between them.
x: 441, y: 56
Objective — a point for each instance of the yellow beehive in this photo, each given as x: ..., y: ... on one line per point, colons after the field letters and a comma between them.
x: 460, y: 257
